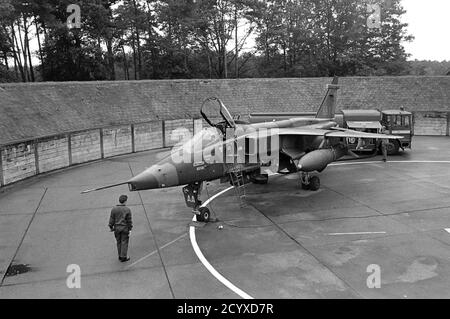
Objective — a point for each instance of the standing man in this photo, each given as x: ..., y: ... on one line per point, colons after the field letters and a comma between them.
x: 384, y: 144
x: 121, y: 224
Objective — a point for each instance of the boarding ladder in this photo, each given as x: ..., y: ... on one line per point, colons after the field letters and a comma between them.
x: 237, y: 179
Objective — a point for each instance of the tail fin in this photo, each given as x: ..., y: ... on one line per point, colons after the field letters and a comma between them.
x: 328, y: 106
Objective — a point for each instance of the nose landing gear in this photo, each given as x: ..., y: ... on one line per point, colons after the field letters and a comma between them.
x: 203, y: 215
x: 192, y: 194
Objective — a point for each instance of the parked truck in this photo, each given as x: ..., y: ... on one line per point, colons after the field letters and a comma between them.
x: 394, y: 122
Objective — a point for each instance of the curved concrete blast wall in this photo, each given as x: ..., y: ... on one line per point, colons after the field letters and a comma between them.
x: 21, y: 160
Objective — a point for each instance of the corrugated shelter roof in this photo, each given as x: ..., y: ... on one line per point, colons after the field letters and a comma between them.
x: 40, y: 109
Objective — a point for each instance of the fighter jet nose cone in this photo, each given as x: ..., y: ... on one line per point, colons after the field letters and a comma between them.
x: 145, y: 180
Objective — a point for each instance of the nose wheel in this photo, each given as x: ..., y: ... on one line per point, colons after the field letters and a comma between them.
x: 203, y: 214
x: 192, y: 194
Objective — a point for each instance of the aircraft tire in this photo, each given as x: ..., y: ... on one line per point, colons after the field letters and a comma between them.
x: 393, y: 147
x: 314, y: 183
x: 204, y: 215
x: 261, y: 179
x: 305, y: 186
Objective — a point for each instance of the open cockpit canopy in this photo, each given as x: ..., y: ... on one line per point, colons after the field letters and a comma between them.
x: 218, y: 117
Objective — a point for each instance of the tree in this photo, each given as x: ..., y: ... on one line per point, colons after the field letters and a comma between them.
x: 9, y: 43
x: 139, y: 39
x: 330, y: 37
x: 74, y: 55
x: 176, y: 19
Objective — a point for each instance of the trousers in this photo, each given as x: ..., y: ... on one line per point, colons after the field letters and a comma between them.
x: 122, y: 235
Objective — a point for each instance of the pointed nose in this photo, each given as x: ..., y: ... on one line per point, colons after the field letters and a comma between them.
x: 144, y: 180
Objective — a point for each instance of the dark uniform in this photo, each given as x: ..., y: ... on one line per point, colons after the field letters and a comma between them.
x: 120, y: 222
x: 384, y: 146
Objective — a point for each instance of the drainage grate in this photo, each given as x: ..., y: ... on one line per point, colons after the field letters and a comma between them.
x: 14, y: 270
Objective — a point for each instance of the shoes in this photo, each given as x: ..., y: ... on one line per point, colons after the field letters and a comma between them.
x: 124, y: 259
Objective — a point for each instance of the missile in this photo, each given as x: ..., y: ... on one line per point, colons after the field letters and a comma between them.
x: 318, y: 160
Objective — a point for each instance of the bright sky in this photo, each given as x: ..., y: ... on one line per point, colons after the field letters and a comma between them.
x: 429, y: 23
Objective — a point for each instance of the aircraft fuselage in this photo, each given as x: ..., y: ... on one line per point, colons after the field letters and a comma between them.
x: 170, y: 172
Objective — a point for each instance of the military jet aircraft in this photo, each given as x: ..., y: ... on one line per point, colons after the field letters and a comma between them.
x: 238, y: 152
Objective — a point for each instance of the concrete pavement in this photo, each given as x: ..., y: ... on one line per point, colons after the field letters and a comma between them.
x: 285, y: 243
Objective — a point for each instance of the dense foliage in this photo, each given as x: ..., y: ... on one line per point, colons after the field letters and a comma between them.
x: 159, y: 39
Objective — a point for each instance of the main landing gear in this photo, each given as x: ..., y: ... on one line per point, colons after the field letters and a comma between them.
x: 192, y: 194
x: 309, y: 182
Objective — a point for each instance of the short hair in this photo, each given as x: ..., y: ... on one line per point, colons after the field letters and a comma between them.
x: 123, y: 199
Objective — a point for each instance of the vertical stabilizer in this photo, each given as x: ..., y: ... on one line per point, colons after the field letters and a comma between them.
x: 328, y: 107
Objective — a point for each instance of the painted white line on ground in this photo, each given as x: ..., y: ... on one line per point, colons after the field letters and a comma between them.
x: 360, y: 233
x: 209, y: 200
x: 205, y: 262
x: 154, y: 252
x: 447, y: 230
x: 225, y: 281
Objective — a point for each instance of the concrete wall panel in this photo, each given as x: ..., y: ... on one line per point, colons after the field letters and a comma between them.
x: 117, y: 141
x: 430, y: 123
x: 85, y: 146
x: 53, y: 153
x: 18, y: 162
x: 148, y: 136
x: 178, y: 130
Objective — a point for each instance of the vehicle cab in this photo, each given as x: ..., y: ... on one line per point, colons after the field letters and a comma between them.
x: 398, y: 122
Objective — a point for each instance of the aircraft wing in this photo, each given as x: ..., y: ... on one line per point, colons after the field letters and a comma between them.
x: 303, y: 131
x: 357, y: 134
